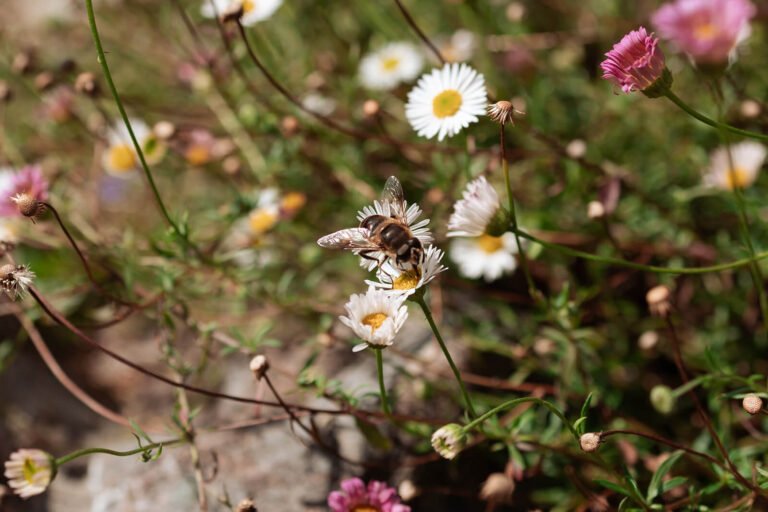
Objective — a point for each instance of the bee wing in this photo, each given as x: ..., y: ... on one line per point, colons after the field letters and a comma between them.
x: 352, y: 238
x: 393, y: 194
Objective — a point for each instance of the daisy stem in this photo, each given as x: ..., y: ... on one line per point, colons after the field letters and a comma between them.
x: 89, y: 451
x: 513, y: 215
x: 517, y: 401
x: 382, y: 388
x: 711, y: 122
x: 113, y: 89
x: 427, y: 313
x: 638, y: 266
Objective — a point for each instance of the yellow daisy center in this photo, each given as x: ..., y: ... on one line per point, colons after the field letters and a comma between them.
x: 262, y: 221
x: 390, y: 63
x: 490, y: 244
x: 737, y: 178
x: 705, y: 30
x: 447, y: 103
x: 364, y: 508
x: 293, y: 201
x: 197, y: 155
x: 248, y: 6
x: 374, y: 320
x: 121, y: 158
x: 405, y: 281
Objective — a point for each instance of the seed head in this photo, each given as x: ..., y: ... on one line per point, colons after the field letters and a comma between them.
x: 498, y: 488
x: 28, y: 206
x: 259, y: 366
x: 502, y: 112
x: 590, y: 441
x: 15, y: 279
x: 752, y: 403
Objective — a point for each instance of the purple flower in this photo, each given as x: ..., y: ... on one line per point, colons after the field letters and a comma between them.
x: 356, y: 497
x: 707, y: 30
x: 634, y: 63
x: 29, y: 180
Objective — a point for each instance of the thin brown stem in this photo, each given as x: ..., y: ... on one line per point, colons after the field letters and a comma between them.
x: 412, y: 23
x: 662, y: 440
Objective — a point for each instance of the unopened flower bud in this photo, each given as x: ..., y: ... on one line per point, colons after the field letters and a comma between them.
x: 407, y: 490
x: 498, y: 488
x: 44, y: 81
x: 371, y: 108
x: 231, y: 165
x: 449, y: 440
x: 259, y: 366
x: 289, y: 126
x: 577, y: 148
x: 590, y: 441
x: 750, y: 109
x: 752, y: 403
x: 648, y: 340
x: 595, y: 210
x: 247, y: 505
x: 663, y: 399
x: 164, y: 129
x: 86, y: 83
x: 23, y: 62
x: 28, y: 206
x: 658, y: 300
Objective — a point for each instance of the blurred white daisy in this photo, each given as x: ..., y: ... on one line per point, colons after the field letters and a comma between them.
x: 393, y: 280
x: 249, y: 230
x: 459, y: 47
x: 29, y: 472
x: 120, y: 157
x: 254, y: 11
x: 319, y: 104
x: 446, y: 100
x: 376, y: 317
x: 485, y: 256
x: 411, y: 214
x: 390, y: 65
x: 746, y: 157
x: 472, y: 214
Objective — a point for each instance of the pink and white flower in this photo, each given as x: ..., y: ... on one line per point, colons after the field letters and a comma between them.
x: 635, y: 63
x: 356, y: 496
x: 29, y: 180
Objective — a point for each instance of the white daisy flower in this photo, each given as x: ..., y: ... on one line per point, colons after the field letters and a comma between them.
x: 394, y: 280
x: 446, y: 100
x: 376, y: 317
x: 485, y: 256
x: 746, y: 157
x: 254, y: 11
x: 248, y: 230
x: 391, y: 65
x: 15, y: 279
x: 29, y: 472
x: 120, y: 156
x: 472, y: 214
x: 387, y: 209
x: 459, y: 47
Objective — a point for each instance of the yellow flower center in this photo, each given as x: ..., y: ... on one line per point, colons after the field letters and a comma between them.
x: 30, y: 469
x: 293, y: 201
x: 121, y: 158
x: 262, y: 220
x: 390, y: 63
x: 447, y: 103
x: 248, y: 6
x: 197, y: 155
x: 365, y: 508
x: 705, y: 30
x: 737, y: 178
x: 406, y: 281
x: 490, y: 244
x: 374, y: 320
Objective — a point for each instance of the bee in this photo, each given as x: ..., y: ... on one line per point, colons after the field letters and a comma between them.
x: 380, y: 237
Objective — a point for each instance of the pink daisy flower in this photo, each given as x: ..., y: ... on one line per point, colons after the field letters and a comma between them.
x: 356, y: 497
x: 707, y: 30
x: 29, y: 180
x: 635, y: 63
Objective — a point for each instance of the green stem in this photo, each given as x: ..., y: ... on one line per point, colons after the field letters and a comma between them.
x: 113, y: 89
x: 517, y: 401
x: 513, y: 216
x: 88, y: 451
x: 648, y: 268
x: 447, y: 354
x: 711, y: 122
x: 382, y: 388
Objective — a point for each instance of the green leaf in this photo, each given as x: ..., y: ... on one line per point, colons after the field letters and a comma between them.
x: 672, y: 483
x: 655, y: 487
x: 585, y: 407
x: 137, y: 429
x: 613, y: 487
x: 578, y: 425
